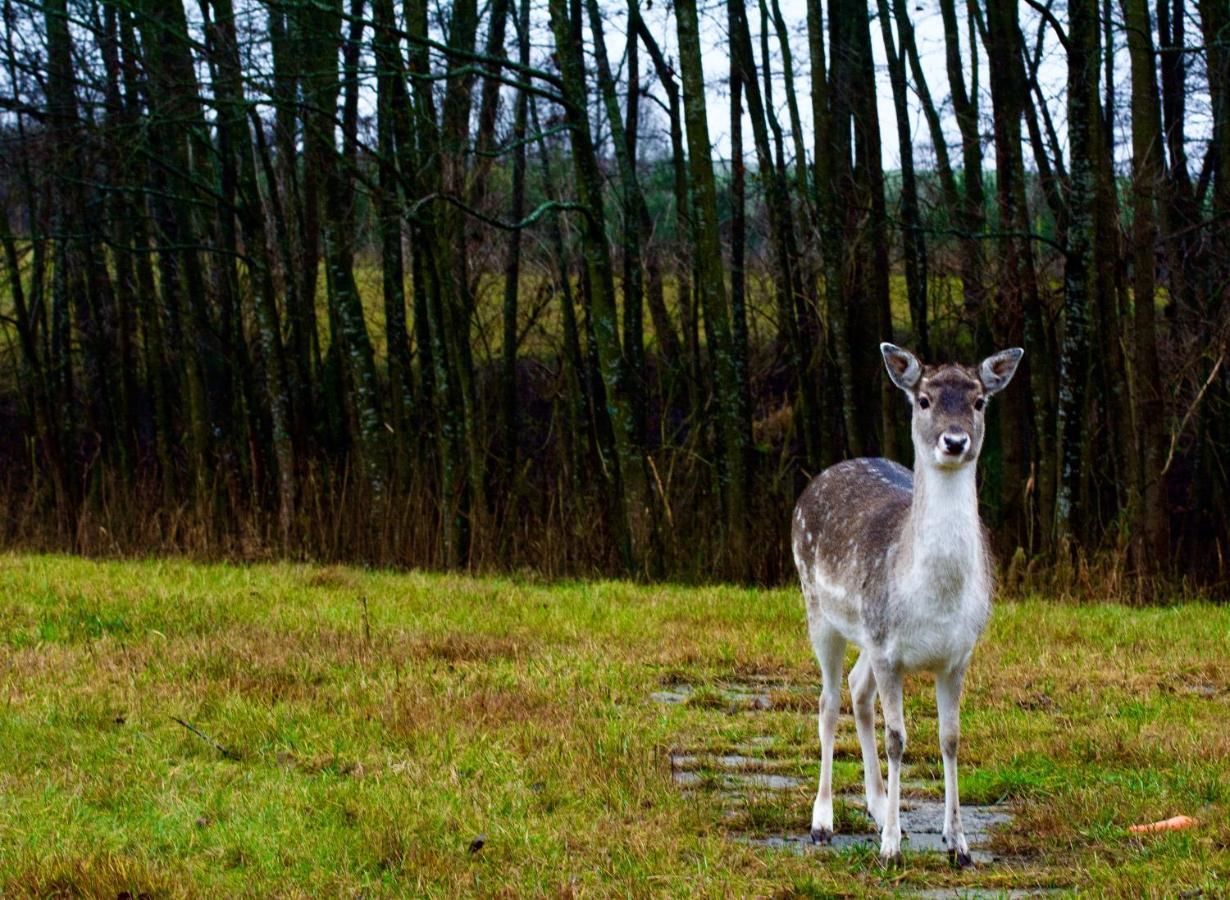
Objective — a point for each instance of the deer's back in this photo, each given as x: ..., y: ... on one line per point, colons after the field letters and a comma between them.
x: 846, y: 522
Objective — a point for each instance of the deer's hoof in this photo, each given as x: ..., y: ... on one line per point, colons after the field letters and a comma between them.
x: 891, y: 860
x: 958, y: 852
x: 822, y: 835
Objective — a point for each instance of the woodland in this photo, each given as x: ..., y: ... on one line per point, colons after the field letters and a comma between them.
x: 593, y: 287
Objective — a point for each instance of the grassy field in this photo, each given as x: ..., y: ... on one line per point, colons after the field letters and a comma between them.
x: 359, y: 731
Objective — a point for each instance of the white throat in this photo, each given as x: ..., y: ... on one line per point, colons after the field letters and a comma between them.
x: 944, y: 495
x: 944, y: 529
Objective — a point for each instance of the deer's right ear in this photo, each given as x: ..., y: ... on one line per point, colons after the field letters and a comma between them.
x: 903, y: 366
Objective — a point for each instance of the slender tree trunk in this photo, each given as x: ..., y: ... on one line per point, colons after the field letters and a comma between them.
x: 973, y: 212
x: 669, y: 349
x: 626, y: 475
x: 871, y: 319
x: 1215, y: 25
x: 1072, y: 413
x: 1186, y: 261
x: 512, y: 265
x: 229, y: 87
x: 1147, y: 175
x: 834, y: 181
x: 175, y: 135
x: 635, y: 213
x: 732, y: 432
x: 1018, y: 298
x: 321, y: 28
x: 298, y: 238
x: 393, y: 273
x: 579, y: 406
x: 738, y: 256
x: 914, y: 249
x: 787, y: 287
x: 684, y: 239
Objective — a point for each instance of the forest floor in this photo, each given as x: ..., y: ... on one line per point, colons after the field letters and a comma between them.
x: 174, y: 729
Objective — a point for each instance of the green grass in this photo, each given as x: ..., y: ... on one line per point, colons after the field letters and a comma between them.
x: 377, y: 723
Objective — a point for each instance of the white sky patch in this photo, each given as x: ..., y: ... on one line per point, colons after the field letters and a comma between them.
x: 29, y: 39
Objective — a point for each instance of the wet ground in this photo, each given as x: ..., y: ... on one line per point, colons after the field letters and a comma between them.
x: 757, y: 769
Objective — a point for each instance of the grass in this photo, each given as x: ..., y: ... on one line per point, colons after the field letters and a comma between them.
x: 376, y: 724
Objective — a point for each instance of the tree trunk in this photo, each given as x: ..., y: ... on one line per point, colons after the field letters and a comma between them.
x: 626, y: 478
x: 1151, y: 524
x: 321, y: 26
x: 787, y: 287
x: 635, y: 212
x: 973, y: 213
x: 684, y: 239
x: 1018, y: 297
x: 512, y: 266
x: 389, y: 209
x: 733, y: 433
x: 914, y: 249
x: 229, y: 87
x: 177, y: 123
x: 1073, y: 411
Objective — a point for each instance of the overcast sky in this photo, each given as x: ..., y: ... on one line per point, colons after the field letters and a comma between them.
x: 929, y: 37
x: 253, y: 25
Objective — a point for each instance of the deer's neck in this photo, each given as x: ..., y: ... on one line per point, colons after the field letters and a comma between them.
x: 943, y: 522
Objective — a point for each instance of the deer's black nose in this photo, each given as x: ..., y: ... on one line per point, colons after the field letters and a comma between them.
x: 955, y: 443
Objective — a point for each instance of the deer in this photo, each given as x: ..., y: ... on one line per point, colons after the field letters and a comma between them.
x: 898, y: 563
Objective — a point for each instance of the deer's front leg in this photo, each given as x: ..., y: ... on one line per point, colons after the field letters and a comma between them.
x: 830, y: 650
x: 889, y: 680
x: 948, y: 706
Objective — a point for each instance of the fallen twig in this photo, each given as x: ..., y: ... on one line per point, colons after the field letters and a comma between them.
x: 227, y: 754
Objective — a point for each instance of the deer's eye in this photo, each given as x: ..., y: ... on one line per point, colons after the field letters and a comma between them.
x: 923, y: 402
x: 979, y: 404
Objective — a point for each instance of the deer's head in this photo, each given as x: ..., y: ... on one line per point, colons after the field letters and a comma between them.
x: 949, y: 401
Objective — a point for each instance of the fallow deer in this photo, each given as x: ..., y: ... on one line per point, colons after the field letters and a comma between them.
x: 897, y: 562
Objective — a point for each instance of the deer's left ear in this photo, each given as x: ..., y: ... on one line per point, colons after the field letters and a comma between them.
x: 903, y: 366
x: 997, y: 370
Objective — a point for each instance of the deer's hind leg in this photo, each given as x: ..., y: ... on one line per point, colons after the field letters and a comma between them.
x: 830, y: 649
x: 863, y: 695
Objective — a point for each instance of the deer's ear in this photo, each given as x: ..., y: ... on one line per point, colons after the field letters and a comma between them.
x: 997, y: 370
x: 903, y: 366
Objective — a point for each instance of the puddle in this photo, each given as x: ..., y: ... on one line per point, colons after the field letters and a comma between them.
x: 735, y: 761
x: 753, y: 694
x: 1201, y: 689
x: 725, y: 781
x: 679, y: 696
x: 740, y: 773
x: 922, y: 824
x: 731, y: 773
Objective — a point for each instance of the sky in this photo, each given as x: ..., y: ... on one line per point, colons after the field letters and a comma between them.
x: 660, y: 17
x: 929, y: 37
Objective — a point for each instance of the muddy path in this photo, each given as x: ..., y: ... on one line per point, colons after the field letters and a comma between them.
x: 761, y: 780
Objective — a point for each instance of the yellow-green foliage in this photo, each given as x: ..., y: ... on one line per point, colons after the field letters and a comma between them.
x: 380, y: 722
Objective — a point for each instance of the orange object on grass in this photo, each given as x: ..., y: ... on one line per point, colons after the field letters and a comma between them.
x: 1176, y: 823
